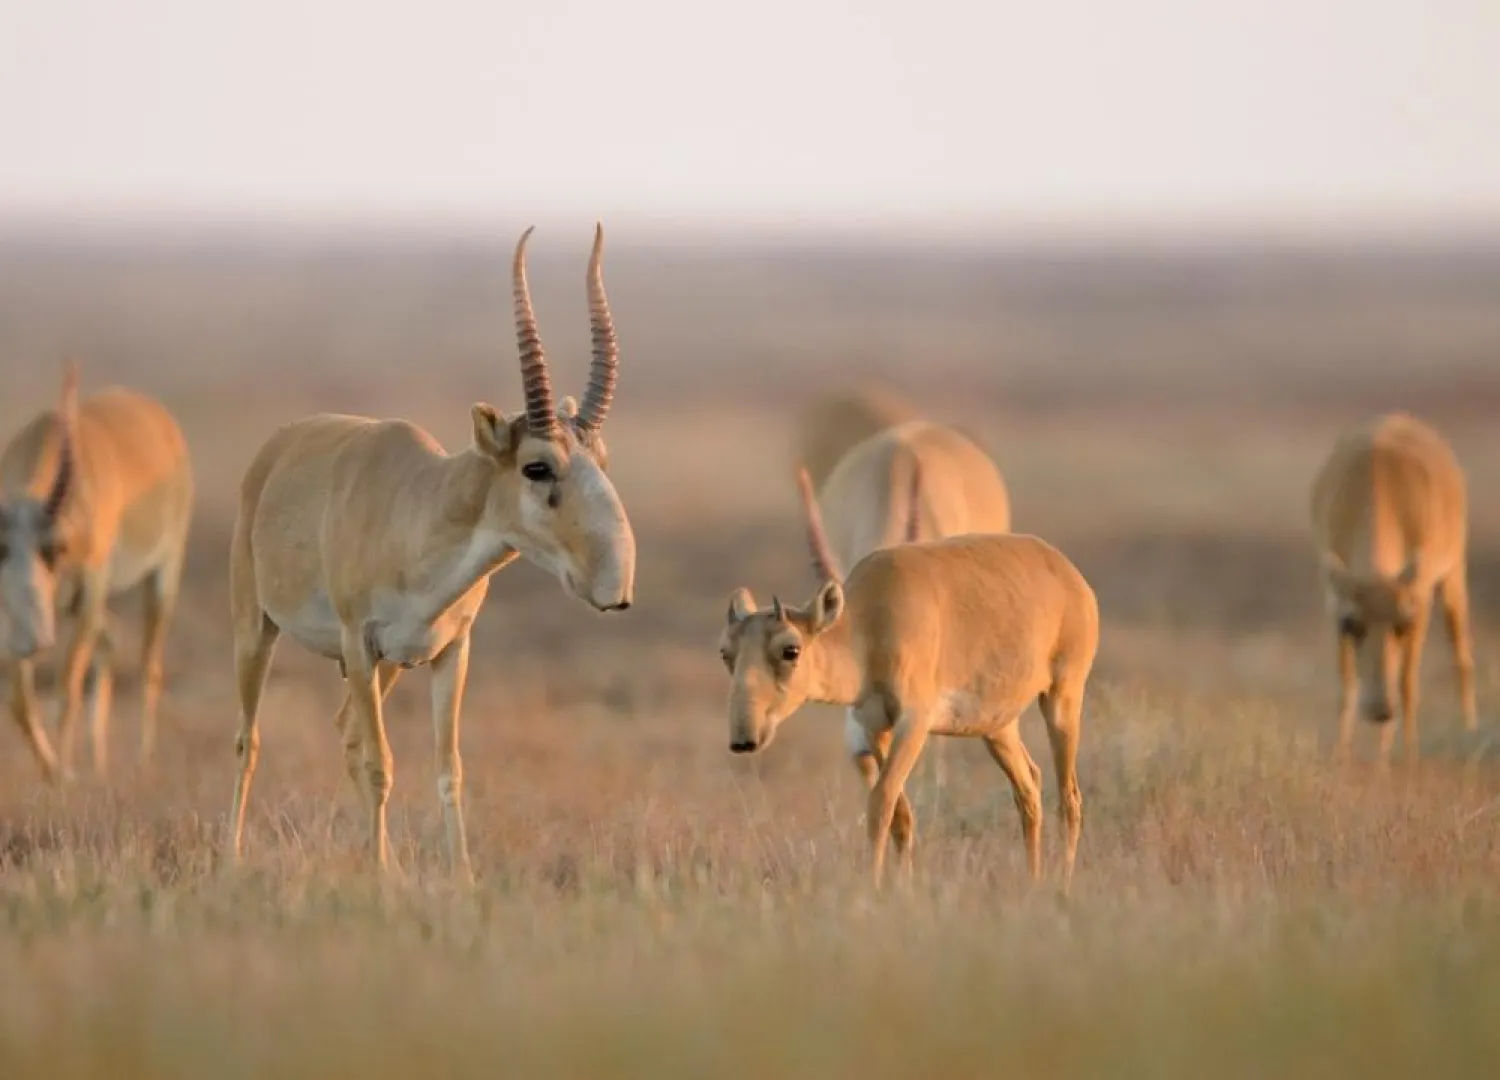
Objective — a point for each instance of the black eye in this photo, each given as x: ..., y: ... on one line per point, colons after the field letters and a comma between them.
x: 789, y: 653
x: 538, y: 472
x: 1349, y: 626
x: 50, y: 551
x: 728, y: 659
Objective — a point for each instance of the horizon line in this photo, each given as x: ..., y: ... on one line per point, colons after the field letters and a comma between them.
x: 898, y: 230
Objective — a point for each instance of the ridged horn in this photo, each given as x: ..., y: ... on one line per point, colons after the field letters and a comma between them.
x: 603, y: 371
x: 825, y: 566
x: 67, y: 420
x: 535, y: 380
x: 914, y: 502
x: 777, y: 611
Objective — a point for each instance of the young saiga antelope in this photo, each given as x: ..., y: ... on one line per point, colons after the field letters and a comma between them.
x: 1389, y: 511
x: 368, y: 544
x: 95, y: 499
x: 870, y: 500
x: 948, y: 637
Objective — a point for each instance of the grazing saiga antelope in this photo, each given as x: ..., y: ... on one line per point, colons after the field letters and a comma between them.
x: 869, y: 501
x: 946, y: 637
x: 368, y: 544
x: 95, y: 499
x: 1389, y: 510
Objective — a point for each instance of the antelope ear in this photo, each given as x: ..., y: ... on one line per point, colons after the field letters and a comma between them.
x: 741, y: 606
x: 491, y: 430
x: 826, y: 607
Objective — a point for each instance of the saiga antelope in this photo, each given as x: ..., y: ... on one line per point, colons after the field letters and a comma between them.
x: 946, y: 637
x: 1389, y: 510
x: 95, y: 499
x: 368, y: 544
x: 870, y: 500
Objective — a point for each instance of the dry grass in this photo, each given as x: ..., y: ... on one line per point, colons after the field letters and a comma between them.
x: 649, y: 904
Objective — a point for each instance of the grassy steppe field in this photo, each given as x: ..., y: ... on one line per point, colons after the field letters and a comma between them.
x: 649, y: 904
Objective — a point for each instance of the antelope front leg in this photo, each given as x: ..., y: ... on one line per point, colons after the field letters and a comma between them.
x: 1453, y: 593
x: 868, y: 754
x: 907, y: 739
x: 75, y: 665
x: 362, y: 680
x: 158, y: 602
x: 98, y: 695
x: 1411, y: 660
x: 23, y: 710
x: 450, y: 670
x: 350, y: 733
x: 1348, y: 698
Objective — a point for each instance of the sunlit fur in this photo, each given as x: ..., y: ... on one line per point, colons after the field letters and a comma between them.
x: 367, y: 543
x: 123, y: 497
x: 864, y: 498
x: 1389, y: 511
x: 946, y: 637
x: 865, y: 504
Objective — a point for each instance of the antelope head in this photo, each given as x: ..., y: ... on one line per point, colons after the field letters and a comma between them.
x: 551, y: 490
x: 1375, y: 613
x: 35, y: 541
x: 772, y: 653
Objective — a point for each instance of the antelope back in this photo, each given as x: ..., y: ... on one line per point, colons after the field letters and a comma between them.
x: 866, y: 499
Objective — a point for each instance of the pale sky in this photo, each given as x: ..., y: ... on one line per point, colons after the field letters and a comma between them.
x: 914, y: 114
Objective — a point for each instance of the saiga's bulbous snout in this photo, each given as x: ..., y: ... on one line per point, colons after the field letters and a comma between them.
x: 606, y: 578
x: 748, y: 737
x: 24, y: 647
x: 615, y: 592
x: 609, y: 594
x: 25, y: 637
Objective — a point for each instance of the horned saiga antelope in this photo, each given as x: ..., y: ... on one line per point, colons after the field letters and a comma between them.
x: 1390, y: 518
x: 870, y: 501
x: 945, y: 637
x: 367, y: 543
x: 95, y: 499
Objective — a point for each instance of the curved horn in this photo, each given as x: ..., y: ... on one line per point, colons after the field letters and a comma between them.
x: 67, y: 415
x: 535, y: 380
x: 603, y: 371
x: 914, y: 503
x: 823, y: 562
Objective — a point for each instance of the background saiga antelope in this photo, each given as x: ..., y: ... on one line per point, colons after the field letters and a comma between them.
x: 95, y: 500
x: 1390, y: 517
x: 368, y: 544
